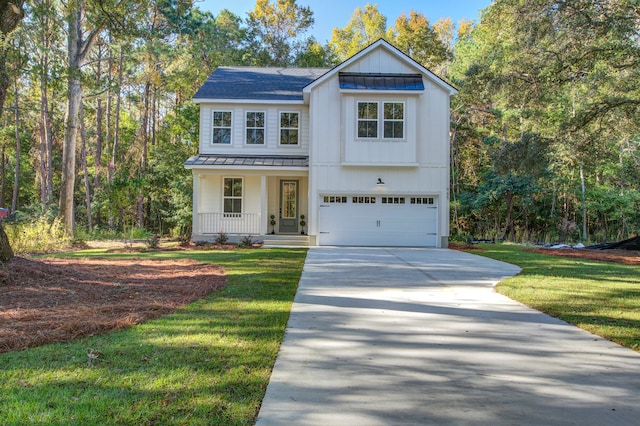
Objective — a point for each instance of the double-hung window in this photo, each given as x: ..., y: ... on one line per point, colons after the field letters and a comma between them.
x: 222, y: 127
x: 232, y: 197
x: 289, y: 125
x: 375, y: 118
x: 255, y: 128
x: 393, y: 120
x: 368, y: 120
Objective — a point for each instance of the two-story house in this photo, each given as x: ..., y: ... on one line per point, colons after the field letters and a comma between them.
x: 354, y: 155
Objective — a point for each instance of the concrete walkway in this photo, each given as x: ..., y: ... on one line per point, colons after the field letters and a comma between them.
x: 418, y: 337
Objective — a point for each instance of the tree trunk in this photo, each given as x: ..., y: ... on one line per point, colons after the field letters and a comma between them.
x: 584, y: 205
x: 16, y: 174
x: 85, y: 170
x: 78, y: 50
x: 11, y: 14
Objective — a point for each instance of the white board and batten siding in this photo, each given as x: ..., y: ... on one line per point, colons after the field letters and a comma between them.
x: 414, y: 167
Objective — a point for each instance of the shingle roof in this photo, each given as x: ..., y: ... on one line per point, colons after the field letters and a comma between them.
x: 258, y: 83
x: 243, y: 160
x: 353, y: 80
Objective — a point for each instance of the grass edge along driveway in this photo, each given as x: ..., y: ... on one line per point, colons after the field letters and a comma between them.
x: 600, y: 297
x: 208, y: 363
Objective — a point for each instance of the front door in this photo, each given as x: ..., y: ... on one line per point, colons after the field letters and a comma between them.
x: 289, y: 206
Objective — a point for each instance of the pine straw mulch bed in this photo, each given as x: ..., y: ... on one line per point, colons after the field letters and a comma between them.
x: 628, y: 257
x: 54, y: 300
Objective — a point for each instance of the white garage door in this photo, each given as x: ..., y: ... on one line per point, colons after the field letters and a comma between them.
x: 376, y: 220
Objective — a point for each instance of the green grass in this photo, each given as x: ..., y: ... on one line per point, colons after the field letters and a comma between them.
x: 600, y: 297
x: 207, y: 364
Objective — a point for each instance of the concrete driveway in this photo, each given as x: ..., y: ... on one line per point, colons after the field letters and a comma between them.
x: 393, y: 336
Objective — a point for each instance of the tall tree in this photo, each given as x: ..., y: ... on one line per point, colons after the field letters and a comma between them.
x: 79, y: 45
x: 279, y: 26
x: 365, y: 27
x: 11, y: 14
x: 415, y: 36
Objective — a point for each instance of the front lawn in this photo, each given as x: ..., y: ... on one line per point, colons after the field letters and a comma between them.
x: 207, y: 364
x: 600, y: 297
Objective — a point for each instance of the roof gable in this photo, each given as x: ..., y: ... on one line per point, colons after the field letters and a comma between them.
x: 389, y: 49
x: 257, y: 83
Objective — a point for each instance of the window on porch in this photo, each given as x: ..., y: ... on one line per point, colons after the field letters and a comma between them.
x: 232, y: 197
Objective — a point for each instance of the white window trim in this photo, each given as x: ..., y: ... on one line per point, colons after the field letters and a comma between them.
x: 232, y: 215
x: 368, y: 120
x: 213, y: 127
x: 404, y: 121
x: 264, y: 128
x: 280, y: 128
x: 381, y: 121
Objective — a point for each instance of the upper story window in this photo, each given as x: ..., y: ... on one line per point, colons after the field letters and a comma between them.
x: 371, y: 114
x: 255, y: 128
x: 222, y: 127
x: 289, y: 125
x: 393, y: 120
x: 367, y: 119
x: 232, y: 197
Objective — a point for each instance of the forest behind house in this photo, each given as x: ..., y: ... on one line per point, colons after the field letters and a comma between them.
x: 97, y: 119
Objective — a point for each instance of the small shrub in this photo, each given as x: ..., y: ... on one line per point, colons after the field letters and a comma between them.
x: 201, y: 243
x: 184, y: 240
x: 153, y: 241
x: 247, y: 241
x: 222, y: 238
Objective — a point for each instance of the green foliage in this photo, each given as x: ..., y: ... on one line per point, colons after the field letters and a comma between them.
x: 37, y: 235
x: 365, y: 27
x: 208, y: 363
x: 277, y: 26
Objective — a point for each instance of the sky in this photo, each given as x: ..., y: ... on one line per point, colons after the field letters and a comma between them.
x: 329, y: 14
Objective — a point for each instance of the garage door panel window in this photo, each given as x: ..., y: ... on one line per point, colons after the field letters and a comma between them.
x: 363, y: 200
x: 423, y: 200
x: 393, y: 200
x: 335, y: 199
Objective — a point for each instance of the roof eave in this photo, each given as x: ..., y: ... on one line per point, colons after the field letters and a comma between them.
x: 248, y: 101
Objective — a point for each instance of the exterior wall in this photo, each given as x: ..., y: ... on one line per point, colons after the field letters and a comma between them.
x: 420, y: 167
x: 238, y: 132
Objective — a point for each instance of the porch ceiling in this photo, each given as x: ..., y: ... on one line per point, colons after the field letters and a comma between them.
x: 247, y: 161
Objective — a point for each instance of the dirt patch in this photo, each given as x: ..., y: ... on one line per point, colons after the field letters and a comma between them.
x: 617, y: 256
x: 465, y: 247
x: 54, y: 300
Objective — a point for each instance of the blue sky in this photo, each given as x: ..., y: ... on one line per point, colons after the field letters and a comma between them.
x: 336, y: 13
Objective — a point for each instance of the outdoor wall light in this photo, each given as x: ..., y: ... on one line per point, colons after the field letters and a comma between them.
x: 380, y: 182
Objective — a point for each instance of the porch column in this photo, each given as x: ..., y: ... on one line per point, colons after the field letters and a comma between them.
x: 263, y: 205
x: 195, y: 223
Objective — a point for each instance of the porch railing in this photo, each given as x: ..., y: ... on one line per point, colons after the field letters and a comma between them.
x: 230, y: 223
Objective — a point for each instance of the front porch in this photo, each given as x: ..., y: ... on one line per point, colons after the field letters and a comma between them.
x: 241, y: 204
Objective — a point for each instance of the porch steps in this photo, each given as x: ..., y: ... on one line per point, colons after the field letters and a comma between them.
x: 286, y: 240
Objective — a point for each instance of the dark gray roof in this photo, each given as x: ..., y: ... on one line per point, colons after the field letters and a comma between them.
x: 243, y: 160
x: 353, y: 80
x: 258, y: 83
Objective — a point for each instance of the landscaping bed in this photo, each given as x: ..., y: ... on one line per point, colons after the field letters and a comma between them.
x: 54, y: 300
x: 618, y: 256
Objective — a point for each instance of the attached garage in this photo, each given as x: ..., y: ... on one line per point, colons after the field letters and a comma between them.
x: 378, y: 220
